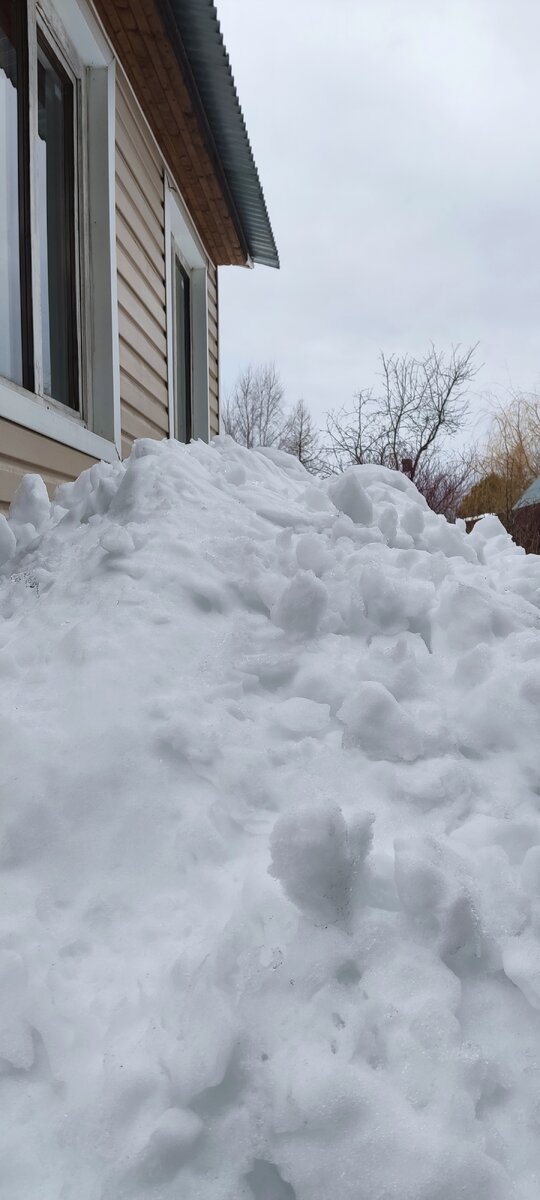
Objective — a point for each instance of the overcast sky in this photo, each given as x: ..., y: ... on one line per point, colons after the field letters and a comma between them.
x: 398, y: 143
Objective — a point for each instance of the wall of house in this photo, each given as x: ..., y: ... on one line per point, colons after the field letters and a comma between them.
x: 140, y: 247
x: 140, y: 240
x: 22, y: 451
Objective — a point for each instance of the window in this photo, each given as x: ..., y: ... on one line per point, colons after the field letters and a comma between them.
x: 187, y: 324
x: 54, y: 369
x: 59, y: 369
x: 56, y: 207
x: 11, y: 244
x: 182, y: 357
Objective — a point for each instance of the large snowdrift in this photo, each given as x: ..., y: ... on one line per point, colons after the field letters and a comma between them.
x: 270, y: 848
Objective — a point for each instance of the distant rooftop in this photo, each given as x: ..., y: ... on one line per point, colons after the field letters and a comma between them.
x: 531, y: 496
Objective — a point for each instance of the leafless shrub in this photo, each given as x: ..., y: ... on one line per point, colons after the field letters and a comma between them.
x: 420, y: 401
x: 255, y: 415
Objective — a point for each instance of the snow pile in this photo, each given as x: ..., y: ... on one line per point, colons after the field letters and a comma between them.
x: 270, y: 844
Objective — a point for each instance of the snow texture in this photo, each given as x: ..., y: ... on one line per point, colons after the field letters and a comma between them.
x: 270, y: 839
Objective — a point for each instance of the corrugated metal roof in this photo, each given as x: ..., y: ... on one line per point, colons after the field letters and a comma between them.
x: 531, y: 496
x: 195, y: 32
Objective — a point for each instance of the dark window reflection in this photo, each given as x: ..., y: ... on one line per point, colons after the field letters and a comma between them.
x: 182, y: 296
x: 57, y: 233
x: 10, y: 279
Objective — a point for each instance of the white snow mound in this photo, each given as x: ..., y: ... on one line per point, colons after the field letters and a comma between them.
x: 270, y: 839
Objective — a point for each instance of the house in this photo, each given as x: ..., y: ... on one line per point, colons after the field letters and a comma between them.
x: 526, y: 519
x: 488, y: 495
x: 126, y: 180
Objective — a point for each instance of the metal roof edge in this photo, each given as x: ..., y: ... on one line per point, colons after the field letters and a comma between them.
x: 530, y: 496
x: 195, y: 33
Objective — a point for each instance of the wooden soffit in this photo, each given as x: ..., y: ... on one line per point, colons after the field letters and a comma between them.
x: 140, y: 42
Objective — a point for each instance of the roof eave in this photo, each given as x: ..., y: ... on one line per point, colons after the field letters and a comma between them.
x: 194, y: 31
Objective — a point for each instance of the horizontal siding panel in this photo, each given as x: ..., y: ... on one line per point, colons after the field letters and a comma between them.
x: 139, y: 216
x: 141, y: 344
x: 212, y: 291
x: 212, y: 327
x: 22, y: 452
x: 146, y: 312
x: 154, y: 410
x: 133, y: 365
x: 129, y: 175
x: 140, y: 237
x: 134, y: 152
x: 134, y: 260
x: 149, y: 291
x: 135, y: 425
x: 213, y: 349
x: 128, y: 112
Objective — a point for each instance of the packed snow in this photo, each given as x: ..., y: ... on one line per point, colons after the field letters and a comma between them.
x: 270, y: 844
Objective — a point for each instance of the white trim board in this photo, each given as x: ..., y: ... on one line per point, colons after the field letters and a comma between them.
x: 181, y: 238
x: 97, y: 429
x: 36, y: 414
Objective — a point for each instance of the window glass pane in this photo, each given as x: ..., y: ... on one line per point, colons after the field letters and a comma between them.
x: 10, y: 277
x: 55, y: 167
x: 182, y: 305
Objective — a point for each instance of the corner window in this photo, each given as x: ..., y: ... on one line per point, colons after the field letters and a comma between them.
x: 11, y: 247
x: 182, y: 355
x: 187, y: 328
x: 56, y: 208
x: 36, y: 91
x: 59, y: 371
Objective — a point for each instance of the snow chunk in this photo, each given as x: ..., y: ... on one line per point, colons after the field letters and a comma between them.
x: 378, y: 725
x: 301, y: 718
x: 170, y: 1143
x: 314, y: 861
x: 7, y: 541
x: 351, y: 498
x: 30, y: 504
x: 117, y: 541
x: 432, y: 885
x: 490, y: 539
x: 312, y: 553
x: 301, y: 605
x: 521, y: 962
x: 530, y: 872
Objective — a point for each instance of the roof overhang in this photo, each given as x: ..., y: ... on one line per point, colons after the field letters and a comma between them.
x: 173, y: 54
x: 196, y: 34
x: 530, y: 497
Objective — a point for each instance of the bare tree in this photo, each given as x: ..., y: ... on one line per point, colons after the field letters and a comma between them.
x: 420, y: 401
x: 487, y: 495
x: 254, y: 414
x: 513, y: 449
x: 446, y: 482
x: 300, y: 437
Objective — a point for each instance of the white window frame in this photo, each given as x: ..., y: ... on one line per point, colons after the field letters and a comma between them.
x: 182, y: 241
x: 96, y: 429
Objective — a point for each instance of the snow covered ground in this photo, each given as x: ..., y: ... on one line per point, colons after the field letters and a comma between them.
x: 270, y: 844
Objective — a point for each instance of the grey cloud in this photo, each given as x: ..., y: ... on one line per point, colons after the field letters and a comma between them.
x: 399, y: 149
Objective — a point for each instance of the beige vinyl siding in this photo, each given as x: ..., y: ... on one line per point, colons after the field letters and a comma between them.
x: 213, y: 349
x: 22, y: 451
x: 140, y: 245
